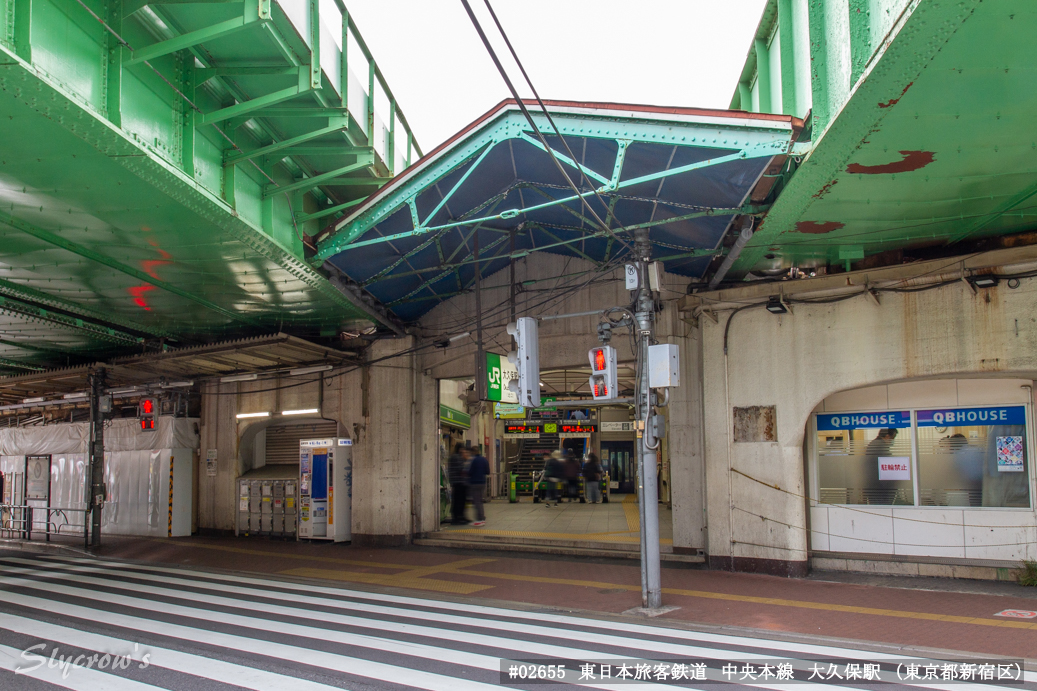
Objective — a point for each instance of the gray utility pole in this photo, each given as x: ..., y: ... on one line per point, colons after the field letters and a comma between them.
x: 95, y: 481
x: 647, y: 471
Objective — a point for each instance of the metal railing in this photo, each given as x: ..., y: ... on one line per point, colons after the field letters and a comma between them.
x: 21, y: 521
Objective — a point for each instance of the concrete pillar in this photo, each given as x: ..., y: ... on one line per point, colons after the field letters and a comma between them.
x: 382, y: 460
x: 218, y: 430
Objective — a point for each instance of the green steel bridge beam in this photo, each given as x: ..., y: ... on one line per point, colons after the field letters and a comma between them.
x: 26, y: 293
x: 92, y: 255
x: 250, y: 16
x: 29, y: 311
x: 330, y: 177
x: 15, y: 364
x: 742, y: 144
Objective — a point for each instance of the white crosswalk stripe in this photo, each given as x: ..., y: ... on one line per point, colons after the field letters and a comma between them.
x: 209, y: 630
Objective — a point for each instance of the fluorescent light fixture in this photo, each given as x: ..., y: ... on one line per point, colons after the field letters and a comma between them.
x: 775, y: 306
x: 541, y: 383
x: 39, y: 399
x: 242, y: 416
x: 124, y: 391
x: 70, y: 396
x: 238, y: 377
x: 306, y: 411
x: 177, y: 384
x: 309, y: 370
x: 984, y: 280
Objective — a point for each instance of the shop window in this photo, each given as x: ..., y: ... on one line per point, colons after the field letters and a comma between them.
x: 973, y: 457
x: 865, y: 458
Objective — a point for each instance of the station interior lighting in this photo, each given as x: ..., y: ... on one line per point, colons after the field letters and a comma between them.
x: 242, y: 416
x: 306, y: 411
x: 39, y: 399
x: 238, y: 377
x: 776, y: 306
x: 984, y: 281
x: 73, y: 396
x: 309, y: 370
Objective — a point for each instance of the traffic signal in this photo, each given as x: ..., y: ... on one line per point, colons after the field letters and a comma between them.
x: 146, y: 409
x: 526, y: 358
x: 604, y: 379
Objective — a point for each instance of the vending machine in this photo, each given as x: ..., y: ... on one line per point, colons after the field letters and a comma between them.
x: 325, y: 489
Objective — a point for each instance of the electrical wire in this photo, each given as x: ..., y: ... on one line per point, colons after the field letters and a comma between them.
x: 529, y: 118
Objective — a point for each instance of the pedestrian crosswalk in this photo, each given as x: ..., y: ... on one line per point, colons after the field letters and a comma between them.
x: 80, y: 623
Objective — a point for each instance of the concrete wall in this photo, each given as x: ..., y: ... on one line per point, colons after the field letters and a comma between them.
x: 794, y: 361
x: 388, y: 408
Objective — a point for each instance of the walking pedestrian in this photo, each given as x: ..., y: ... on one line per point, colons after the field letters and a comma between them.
x: 592, y: 478
x: 458, y: 485
x: 553, y: 472
x: 572, y: 476
x: 478, y: 470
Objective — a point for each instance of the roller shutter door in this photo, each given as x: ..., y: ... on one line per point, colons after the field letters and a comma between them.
x: 282, y: 441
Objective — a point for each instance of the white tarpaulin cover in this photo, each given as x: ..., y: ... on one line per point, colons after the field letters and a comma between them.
x: 136, y: 474
x: 123, y: 435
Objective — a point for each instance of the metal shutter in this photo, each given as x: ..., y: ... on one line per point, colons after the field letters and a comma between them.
x: 282, y: 441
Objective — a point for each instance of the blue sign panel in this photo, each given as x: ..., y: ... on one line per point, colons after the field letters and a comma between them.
x: 961, y: 417
x: 891, y: 418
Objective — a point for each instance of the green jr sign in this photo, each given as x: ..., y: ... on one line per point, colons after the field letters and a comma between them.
x: 498, y: 373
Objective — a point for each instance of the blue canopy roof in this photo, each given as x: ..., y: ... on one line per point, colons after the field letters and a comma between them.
x: 685, y: 174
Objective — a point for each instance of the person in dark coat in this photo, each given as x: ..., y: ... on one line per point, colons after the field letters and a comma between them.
x: 458, y: 485
x: 592, y: 479
x: 572, y: 476
x: 478, y: 471
x: 553, y: 474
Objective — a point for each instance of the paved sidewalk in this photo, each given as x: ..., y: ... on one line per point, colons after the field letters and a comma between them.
x: 930, y: 613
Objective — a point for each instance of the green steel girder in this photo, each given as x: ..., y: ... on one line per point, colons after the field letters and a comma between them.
x: 100, y: 258
x: 131, y: 6
x: 21, y: 292
x: 256, y: 105
x: 104, y: 333
x: 331, y: 177
x: 250, y: 16
x: 743, y: 142
x: 330, y: 211
x: 15, y: 364
x: 335, y: 125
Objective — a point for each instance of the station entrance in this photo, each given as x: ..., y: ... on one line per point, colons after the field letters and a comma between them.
x: 524, y: 508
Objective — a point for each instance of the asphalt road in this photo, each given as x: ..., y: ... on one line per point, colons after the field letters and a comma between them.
x: 93, y: 625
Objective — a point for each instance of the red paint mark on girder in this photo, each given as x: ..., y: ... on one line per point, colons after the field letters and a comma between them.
x: 893, y: 101
x: 912, y: 160
x: 817, y: 227
x: 149, y: 264
x: 826, y: 189
x: 138, y: 295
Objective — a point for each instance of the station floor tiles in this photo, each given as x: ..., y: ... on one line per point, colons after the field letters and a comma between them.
x: 617, y: 521
x: 918, y: 613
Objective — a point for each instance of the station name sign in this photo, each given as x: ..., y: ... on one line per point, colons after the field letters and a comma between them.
x: 895, y: 419
x: 1004, y: 415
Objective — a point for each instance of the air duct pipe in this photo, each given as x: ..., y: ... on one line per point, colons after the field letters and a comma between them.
x: 743, y: 238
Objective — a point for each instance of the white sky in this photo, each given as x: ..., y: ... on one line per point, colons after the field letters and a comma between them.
x: 658, y: 52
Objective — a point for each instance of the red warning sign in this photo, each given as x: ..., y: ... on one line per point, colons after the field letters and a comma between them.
x: 1017, y: 614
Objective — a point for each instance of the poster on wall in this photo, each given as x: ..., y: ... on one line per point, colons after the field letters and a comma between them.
x: 210, y: 463
x: 1010, y: 454
x: 894, y: 468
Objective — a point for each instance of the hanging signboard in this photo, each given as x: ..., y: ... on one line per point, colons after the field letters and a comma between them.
x: 574, y: 431
x: 618, y: 426
x: 894, y: 468
x: 521, y: 431
x: 499, y: 373
x: 890, y: 419
x: 509, y: 411
x: 454, y: 417
x: 967, y: 417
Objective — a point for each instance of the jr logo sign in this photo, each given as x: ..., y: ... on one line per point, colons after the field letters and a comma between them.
x: 499, y: 372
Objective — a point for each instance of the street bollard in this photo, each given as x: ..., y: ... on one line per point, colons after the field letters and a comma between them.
x: 512, y: 488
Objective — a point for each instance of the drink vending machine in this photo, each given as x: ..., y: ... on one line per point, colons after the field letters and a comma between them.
x: 325, y: 489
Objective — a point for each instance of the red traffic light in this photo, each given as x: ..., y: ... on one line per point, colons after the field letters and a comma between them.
x: 147, y: 406
x: 599, y: 359
x: 147, y: 423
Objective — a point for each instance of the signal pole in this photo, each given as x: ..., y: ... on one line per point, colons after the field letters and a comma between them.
x: 95, y: 481
x: 647, y: 471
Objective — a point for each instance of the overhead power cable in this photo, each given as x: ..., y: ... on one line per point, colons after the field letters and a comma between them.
x: 536, y: 130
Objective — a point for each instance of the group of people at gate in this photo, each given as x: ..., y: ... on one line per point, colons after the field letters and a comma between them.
x: 563, y: 470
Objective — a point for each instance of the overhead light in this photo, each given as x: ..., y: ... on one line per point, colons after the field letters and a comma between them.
x: 39, y: 399
x: 307, y: 411
x: 776, y: 306
x: 541, y: 383
x: 124, y: 391
x: 177, y: 384
x: 238, y: 377
x: 242, y: 416
x: 70, y: 396
x: 309, y: 370
x: 984, y: 281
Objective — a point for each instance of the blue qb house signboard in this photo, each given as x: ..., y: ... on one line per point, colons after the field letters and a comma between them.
x: 890, y: 419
